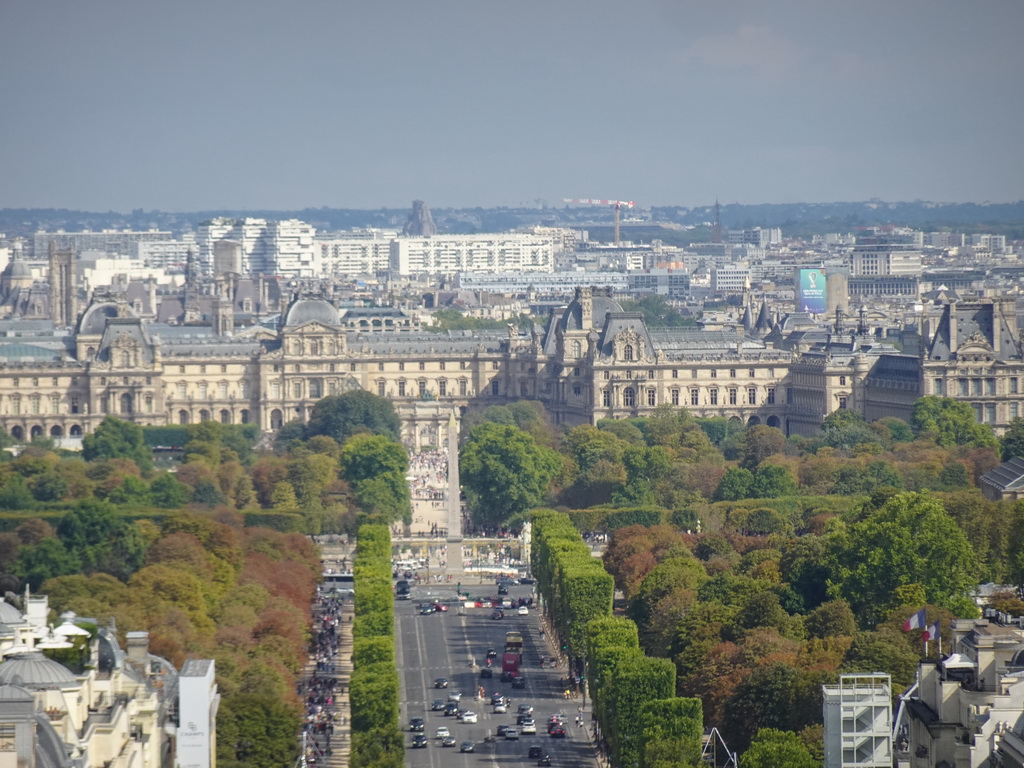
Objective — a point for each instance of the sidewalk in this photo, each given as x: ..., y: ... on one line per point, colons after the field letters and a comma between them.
x: 328, y: 737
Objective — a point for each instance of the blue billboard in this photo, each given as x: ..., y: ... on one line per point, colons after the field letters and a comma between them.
x: 811, y: 291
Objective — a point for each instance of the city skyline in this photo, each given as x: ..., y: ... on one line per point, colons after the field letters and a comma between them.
x: 117, y: 106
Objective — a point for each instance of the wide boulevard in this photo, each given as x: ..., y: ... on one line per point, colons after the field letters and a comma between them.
x: 454, y: 646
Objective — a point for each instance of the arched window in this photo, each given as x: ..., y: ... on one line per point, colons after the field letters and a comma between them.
x: 577, y: 349
x: 75, y: 431
x: 225, y: 417
x: 627, y: 352
x: 183, y: 417
x: 245, y: 415
x: 56, y: 432
x: 276, y: 419
x: 204, y: 415
x: 126, y: 359
x: 629, y: 395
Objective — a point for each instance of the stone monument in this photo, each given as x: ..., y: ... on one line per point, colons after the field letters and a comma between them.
x: 454, y: 538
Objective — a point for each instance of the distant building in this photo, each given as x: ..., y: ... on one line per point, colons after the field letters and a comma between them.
x: 884, y: 253
x: 267, y: 247
x: 357, y: 253
x: 452, y: 254
x: 858, y: 722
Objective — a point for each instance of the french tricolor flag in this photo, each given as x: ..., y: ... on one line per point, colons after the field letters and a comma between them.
x: 931, y: 633
x: 915, y: 622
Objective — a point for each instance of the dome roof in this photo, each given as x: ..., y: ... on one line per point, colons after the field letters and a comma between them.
x: 17, y: 268
x: 9, y: 614
x: 310, y: 310
x: 15, y: 693
x: 33, y: 670
x: 572, y: 318
x: 94, y: 321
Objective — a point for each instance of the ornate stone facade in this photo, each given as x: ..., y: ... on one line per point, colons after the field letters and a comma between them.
x: 591, y: 361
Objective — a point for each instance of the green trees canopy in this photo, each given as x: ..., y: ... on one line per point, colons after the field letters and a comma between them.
x: 672, y: 732
x: 116, y: 439
x: 375, y: 466
x: 952, y: 422
x: 772, y: 748
x: 910, y: 540
x: 505, y: 472
x: 1012, y: 442
x: 341, y: 416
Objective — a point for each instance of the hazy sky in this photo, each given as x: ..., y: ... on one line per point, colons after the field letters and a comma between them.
x: 200, y: 104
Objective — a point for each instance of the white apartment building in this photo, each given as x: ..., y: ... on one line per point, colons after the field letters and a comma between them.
x: 164, y: 254
x: 113, y: 242
x: 357, y: 252
x: 757, y: 236
x: 541, y: 284
x: 730, y: 278
x: 889, y: 253
x: 285, y: 248
x: 452, y: 254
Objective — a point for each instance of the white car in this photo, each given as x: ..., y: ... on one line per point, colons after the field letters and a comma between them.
x: 500, y: 709
x: 442, y: 733
x: 469, y: 717
x: 523, y: 611
x: 528, y: 727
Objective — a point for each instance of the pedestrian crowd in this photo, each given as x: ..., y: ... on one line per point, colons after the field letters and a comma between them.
x: 321, y: 689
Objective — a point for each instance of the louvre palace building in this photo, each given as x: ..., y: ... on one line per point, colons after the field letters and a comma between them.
x: 244, y: 351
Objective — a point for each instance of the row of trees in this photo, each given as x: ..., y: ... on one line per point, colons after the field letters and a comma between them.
x: 641, y: 721
x: 206, y: 586
x: 346, y: 461
x: 373, y: 691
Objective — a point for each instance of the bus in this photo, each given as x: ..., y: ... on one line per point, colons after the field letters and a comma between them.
x: 339, y: 582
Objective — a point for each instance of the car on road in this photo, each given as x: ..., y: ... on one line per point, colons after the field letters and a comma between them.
x: 518, y: 681
x: 523, y: 611
x: 507, y: 676
x: 448, y: 741
x: 486, y: 672
x: 556, y: 732
x: 440, y: 607
x: 469, y: 717
x: 466, y: 746
x: 437, y: 705
x: 511, y: 734
x: 497, y: 614
x: 491, y: 653
x: 500, y: 708
x: 427, y: 608
x: 527, y: 580
x: 417, y: 724
x: 528, y: 726
x: 535, y: 751
x: 442, y: 733
x: 451, y: 708
x: 497, y: 698
x: 502, y: 590
x: 455, y: 696
x: 419, y: 741
x: 544, y: 760
x: 440, y: 682
x: 524, y: 709
x: 502, y: 728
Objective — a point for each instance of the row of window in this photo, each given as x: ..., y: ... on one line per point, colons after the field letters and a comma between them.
x: 978, y: 387
x: 204, y: 390
x: 985, y: 413
x: 731, y: 396
x: 694, y: 373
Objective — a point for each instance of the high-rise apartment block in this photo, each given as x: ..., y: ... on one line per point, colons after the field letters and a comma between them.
x: 451, y: 254
x: 887, y: 252
x: 268, y: 247
x: 359, y: 252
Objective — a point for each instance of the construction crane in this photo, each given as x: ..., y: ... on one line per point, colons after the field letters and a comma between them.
x: 617, y: 205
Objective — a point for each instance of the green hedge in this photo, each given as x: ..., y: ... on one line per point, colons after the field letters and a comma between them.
x: 377, y: 741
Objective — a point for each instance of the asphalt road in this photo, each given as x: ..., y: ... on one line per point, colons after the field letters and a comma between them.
x: 442, y: 645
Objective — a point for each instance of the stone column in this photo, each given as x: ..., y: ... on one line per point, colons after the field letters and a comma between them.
x: 454, y: 539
